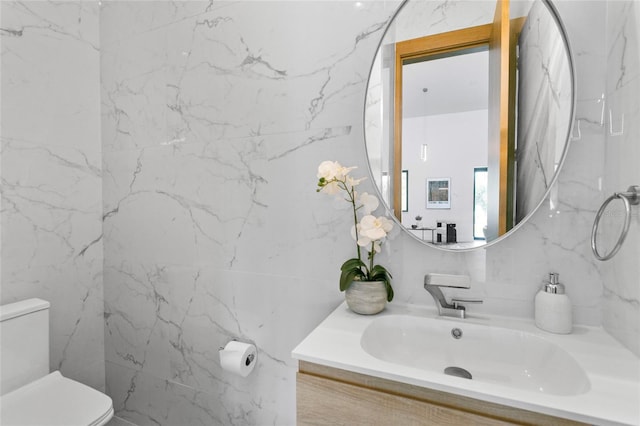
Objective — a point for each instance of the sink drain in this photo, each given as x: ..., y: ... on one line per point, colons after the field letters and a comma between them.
x: 457, y: 372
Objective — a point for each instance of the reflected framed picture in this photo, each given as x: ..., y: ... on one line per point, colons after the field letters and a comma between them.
x: 438, y: 193
x: 405, y: 190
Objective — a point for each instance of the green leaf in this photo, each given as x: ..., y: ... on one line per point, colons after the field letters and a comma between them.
x: 352, y: 264
x: 389, y: 291
x: 379, y: 273
x: 347, y: 277
x: 351, y: 269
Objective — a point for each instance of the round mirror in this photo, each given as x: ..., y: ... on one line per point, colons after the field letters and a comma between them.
x: 468, y: 116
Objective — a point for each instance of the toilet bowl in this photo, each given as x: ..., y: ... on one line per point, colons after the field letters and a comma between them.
x: 29, y: 394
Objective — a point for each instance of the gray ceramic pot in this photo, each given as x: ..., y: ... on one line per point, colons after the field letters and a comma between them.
x: 366, y: 297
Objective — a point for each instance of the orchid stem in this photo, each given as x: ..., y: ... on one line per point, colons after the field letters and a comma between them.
x: 371, y: 254
x: 352, y: 200
x: 355, y: 219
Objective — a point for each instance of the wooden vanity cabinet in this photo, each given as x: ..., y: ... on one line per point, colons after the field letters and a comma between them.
x: 329, y: 396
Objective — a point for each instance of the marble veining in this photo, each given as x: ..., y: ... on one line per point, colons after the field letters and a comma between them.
x: 196, y: 137
x: 211, y: 134
x: 51, y: 175
x: 621, y: 275
x: 544, y: 102
x: 169, y: 149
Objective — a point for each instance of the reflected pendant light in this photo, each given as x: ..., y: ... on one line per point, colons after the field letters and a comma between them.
x: 423, y: 152
x: 423, y: 147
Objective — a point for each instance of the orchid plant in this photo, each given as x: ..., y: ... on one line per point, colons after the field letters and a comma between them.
x: 369, y: 233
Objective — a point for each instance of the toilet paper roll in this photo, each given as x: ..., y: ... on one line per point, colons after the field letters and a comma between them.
x: 238, y: 358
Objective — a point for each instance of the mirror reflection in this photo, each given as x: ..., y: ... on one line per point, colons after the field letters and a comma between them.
x: 467, y: 118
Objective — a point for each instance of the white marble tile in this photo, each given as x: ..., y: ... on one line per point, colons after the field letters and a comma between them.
x: 213, y: 124
x: 201, y: 195
x: 620, y: 274
x: 222, y: 203
x: 585, y: 21
x: 418, y: 18
x: 43, y: 44
x: 132, y: 305
x: 197, y: 311
x: 51, y: 175
x: 220, y: 77
x: 51, y: 203
x: 144, y: 399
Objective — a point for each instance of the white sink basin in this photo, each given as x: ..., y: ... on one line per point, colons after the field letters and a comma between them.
x: 490, y: 354
x: 585, y: 376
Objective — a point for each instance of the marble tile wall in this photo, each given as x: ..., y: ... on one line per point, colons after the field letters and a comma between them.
x: 214, y: 116
x: 51, y: 204
x: 214, y: 119
x: 621, y: 275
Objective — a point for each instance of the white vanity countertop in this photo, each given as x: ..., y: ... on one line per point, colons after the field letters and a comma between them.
x: 613, y: 371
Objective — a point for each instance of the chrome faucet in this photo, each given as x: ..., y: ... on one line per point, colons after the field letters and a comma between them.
x: 433, y: 284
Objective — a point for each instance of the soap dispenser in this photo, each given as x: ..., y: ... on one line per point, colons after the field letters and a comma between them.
x: 553, y: 311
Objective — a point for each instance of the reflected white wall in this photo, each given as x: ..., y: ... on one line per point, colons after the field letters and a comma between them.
x: 456, y: 144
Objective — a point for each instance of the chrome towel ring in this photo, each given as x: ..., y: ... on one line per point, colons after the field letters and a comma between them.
x: 629, y: 198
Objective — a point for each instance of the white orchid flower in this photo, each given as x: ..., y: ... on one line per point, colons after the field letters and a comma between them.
x: 373, y: 229
x: 369, y: 202
x: 351, y: 182
x: 334, y: 177
x: 328, y: 169
x: 331, y: 188
x: 369, y: 233
x: 331, y: 170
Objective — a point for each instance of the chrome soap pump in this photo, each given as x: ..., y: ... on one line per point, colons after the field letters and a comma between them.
x: 553, y: 311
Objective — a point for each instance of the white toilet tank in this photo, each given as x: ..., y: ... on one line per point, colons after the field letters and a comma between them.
x: 24, y: 343
x: 30, y: 395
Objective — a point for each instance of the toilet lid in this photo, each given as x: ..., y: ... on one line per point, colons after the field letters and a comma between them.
x: 55, y: 400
